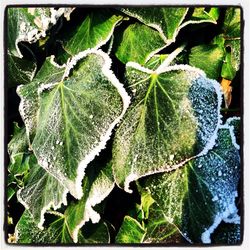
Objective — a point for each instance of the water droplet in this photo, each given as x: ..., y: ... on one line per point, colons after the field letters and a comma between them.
x: 215, y: 198
x: 219, y: 173
x: 91, y: 116
x: 57, y: 142
x: 52, y: 148
x: 200, y: 166
x: 61, y: 143
x: 171, y: 157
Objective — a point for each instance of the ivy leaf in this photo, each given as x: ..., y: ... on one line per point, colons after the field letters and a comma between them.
x: 201, y: 194
x: 200, y: 15
x: 174, y: 117
x: 138, y: 43
x: 27, y: 232
x: 130, y: 231
x: 159, y: 229
x: 41, y: 192
x: 93, y: 32
x: 97, y: 184
x: 75, y: 117
x: 209, y: 58
x: 51, y: 73
x: 227, y: 233
x: 165, y: 20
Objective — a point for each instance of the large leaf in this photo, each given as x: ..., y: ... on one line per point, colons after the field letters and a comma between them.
x: 138, y: 43
x: 174, y: 117
x: 49, y: 73
x: 130, y: 231
x: 27, y: 232
x: 93, y: 32
x: 201, y: 194
x: 74, y: 116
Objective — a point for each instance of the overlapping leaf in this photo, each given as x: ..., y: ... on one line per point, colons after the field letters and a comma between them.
x: 27, y: 25
x: 201, y: 194
x: 58, y: 232
x: 174, y: 117
x: 93, y: 32
x: 160, y: 27
x: 73, y: 116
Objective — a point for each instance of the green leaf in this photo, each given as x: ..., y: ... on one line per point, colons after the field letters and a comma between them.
x: 74, y: 117
x: 27, y: 232
x: 201, y: 194
x: 41, y: 192
x: 202, y: 15
x: 165, y: 20
x: 208, y: 58
x: 138, y: 43
x: 174, y: 117
x: 20, y: 70
x: 229, y: 234
x: 228, y: 71
x: 29, y: 25
x: 232, y: 36
x: 93, y: 32
x: 18, y: 145
x: 231, y: 25
x: 51, y: 73
x: 159, y: 229
x: 130, y: 231
x: 97, y: 184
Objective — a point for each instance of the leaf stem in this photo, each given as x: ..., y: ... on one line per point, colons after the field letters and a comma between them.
x: 169, y: 59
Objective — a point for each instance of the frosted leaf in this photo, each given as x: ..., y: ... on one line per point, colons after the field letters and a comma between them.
x: 196, y: 200
x: 95, y: 31
x: 173, y: 118
x: 56, y: 232
x: 41, y: 192
x: 51, y: 73
x: 59, y: 116
x: 96, y: 187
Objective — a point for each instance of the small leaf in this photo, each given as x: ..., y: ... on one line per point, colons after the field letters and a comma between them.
x: 73, y: 118
x: 208, y: 58
x: 93, y: 32
x: 201, y: 194
x: 231, y: 25
x: 228, y: 71
x: 174, y: 117
x: 130, y: 231
x: 200, y: 14
x: 138, y: 43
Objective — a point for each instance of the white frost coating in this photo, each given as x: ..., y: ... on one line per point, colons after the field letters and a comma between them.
x: 196, y: 22
x: 131, y: 177
x: 137, y: 66
x: 224, y: 216
x: 231, y: 129
x: 126, y: 101
x: 54, y: 63
x: 169, y: 59
x: 89, y: 212
x: 46, y: 207
x: 157, y: 27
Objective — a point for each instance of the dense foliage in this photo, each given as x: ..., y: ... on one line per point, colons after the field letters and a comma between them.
x: 124, y: 125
